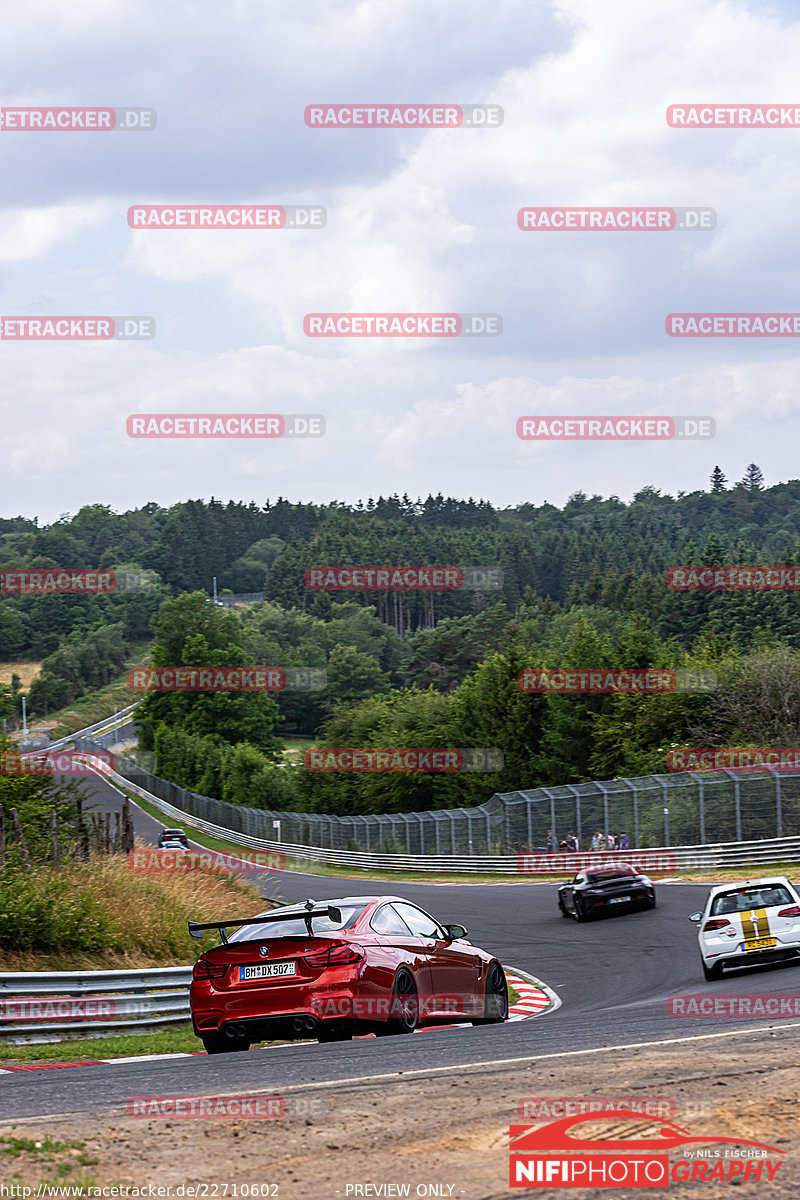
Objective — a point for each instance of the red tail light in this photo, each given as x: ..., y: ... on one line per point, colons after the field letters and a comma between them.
x: 203, y: 969
x: 794, y: 911
x: 719, y: 924
x: 335, y: 956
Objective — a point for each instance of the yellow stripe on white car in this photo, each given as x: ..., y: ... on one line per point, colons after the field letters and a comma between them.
x: 755, y: 924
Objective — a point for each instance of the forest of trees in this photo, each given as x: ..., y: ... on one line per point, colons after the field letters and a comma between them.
x: 582, y: 586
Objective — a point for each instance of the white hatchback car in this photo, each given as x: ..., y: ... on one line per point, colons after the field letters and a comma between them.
x: 757, y: 920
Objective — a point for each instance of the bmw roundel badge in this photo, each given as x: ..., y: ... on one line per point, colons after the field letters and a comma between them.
x: 263, y: 951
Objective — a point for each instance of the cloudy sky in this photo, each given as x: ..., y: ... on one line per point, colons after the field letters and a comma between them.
x: 416, y: 222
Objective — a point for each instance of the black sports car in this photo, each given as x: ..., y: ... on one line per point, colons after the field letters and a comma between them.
x: 605, y: 889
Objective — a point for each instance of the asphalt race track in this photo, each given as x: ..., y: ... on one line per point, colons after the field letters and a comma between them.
x: 613, y: 976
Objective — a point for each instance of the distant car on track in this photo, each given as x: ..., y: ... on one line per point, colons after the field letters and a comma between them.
x: 605, y: 889
x: 754, y: 921
x: 335, y: 968
x: 173, y: 835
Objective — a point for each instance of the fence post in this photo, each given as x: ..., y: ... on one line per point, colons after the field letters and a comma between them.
x: 21, y: 839
x: 529, y: 803
x: 701, y: 804
x: 737, y: 800
x: 577, y: 796
x: 635, y: 791
x: 54, y: 834
x: 2, y: 837
x: 605, y: 806
x: 778, y: 800
x: 666, y: 810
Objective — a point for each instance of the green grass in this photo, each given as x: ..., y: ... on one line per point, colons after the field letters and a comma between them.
x: 295, y: 748
x: 96, y: 706
x: 178, y: 1038
x: 53, y: 1162
x: 13, y: 1146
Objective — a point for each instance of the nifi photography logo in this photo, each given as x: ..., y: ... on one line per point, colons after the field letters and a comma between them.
x: 555, y: 1155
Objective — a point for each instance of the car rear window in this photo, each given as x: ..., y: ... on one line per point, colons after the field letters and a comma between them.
x: 604, y: 876
x: 768, y: 896
x: 295, y: 926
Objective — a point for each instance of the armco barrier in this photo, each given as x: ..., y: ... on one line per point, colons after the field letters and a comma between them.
x: 661, y: 860
x: 98, y: 729
x: 39, y: 1006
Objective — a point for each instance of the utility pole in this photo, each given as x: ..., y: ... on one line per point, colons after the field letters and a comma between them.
x: 24, y: 721
x: 215, y: 589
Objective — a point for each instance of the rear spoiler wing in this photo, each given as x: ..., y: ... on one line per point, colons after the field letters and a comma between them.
x: 196, y: 929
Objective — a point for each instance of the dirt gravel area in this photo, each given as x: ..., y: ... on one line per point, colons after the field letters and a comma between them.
x: 444, y: 1133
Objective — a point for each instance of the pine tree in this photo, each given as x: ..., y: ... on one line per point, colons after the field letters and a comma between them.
x: 718, y: 480
x: 753, y: 479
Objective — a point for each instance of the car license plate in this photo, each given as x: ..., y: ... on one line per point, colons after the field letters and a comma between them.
x: 618, y: 900
x: 759, y: 944
x: 268, y: 970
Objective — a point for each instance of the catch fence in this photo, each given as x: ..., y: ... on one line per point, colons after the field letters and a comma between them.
x: 684, y: 809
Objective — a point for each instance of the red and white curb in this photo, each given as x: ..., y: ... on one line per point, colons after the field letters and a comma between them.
x: 535, y: 998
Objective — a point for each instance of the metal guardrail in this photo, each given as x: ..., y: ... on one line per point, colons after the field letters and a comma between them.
x: 99, y: 727
x: 46, y: 1006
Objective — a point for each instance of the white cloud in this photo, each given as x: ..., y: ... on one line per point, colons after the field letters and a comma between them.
x: 415, y: 223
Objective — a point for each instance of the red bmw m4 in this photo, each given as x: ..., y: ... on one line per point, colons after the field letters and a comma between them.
x: 334, y: 968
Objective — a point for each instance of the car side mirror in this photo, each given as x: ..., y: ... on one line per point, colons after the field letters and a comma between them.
x: 696, y: 917
x: 455, y: 931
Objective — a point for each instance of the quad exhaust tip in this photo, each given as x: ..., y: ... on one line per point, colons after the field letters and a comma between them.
x: 301, y: 1025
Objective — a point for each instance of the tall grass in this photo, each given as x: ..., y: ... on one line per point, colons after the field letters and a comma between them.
x: 100, y: 913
